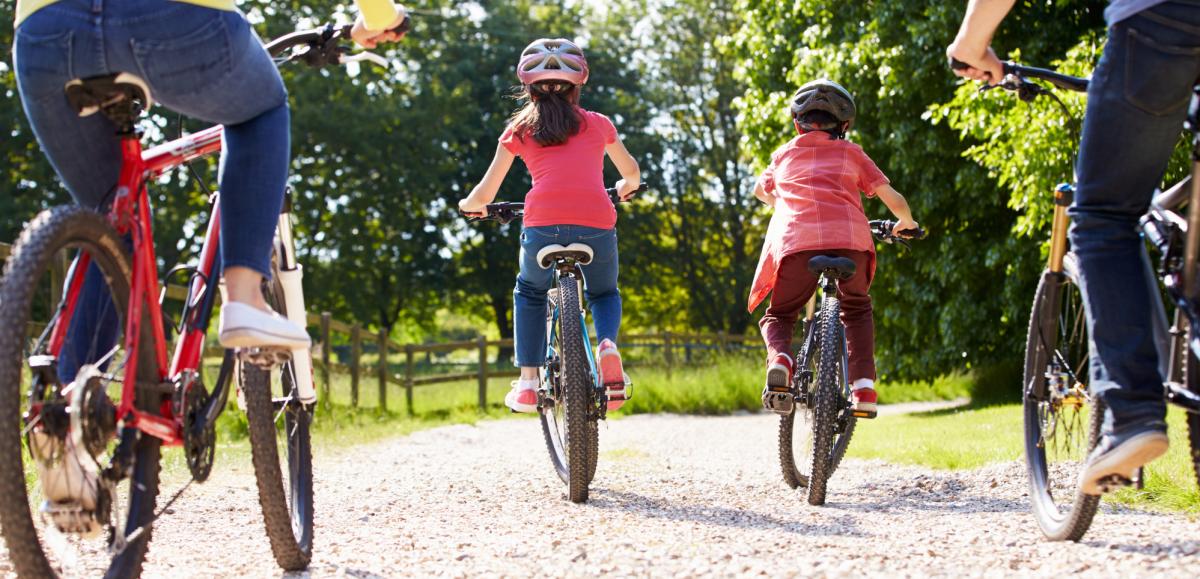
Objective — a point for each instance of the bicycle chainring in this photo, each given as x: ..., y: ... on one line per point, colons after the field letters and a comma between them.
x: 199, y: 444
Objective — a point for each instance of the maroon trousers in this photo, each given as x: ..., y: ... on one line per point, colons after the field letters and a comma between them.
x: 793, y: 288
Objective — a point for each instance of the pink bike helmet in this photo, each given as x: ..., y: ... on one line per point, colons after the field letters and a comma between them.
x: 552, y: 59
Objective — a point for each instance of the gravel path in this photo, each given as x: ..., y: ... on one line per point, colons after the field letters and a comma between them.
x: 674, y: 496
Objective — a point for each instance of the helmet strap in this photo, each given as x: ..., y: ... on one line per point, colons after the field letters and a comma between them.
x: 838, y: 132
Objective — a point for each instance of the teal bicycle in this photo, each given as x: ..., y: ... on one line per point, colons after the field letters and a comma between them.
x: 572, y: 399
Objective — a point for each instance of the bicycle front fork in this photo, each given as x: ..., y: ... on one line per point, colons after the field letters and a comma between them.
x: 290, y: 277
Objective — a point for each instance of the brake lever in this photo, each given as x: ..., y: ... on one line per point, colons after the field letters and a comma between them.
x: 367, y: 56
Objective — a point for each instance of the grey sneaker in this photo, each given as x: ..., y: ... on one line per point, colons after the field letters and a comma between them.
x: 1117, y: 458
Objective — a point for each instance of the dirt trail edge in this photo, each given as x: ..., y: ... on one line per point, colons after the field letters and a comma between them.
x: 674, y: 495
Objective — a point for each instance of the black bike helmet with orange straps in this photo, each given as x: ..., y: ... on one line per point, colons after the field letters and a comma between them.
x: 823, y: 95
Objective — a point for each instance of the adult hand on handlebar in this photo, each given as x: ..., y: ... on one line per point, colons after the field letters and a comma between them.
x: 982, y: 66
x: 368, y: 38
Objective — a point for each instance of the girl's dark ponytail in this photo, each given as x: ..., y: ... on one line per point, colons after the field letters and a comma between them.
x: 550, y: 115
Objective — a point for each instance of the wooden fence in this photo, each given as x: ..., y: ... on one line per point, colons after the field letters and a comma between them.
x: 674, y: 348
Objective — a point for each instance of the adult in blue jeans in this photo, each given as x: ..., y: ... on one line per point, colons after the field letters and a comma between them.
x: 203, y: 62
x: 1137, y: 101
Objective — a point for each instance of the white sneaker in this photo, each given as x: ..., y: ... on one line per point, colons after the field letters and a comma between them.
x: 244, y: 326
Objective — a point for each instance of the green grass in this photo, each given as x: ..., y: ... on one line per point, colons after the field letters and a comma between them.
x: 975, y: 437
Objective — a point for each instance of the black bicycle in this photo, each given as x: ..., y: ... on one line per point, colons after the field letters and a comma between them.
x: 817, y: 405
x: 1062, y: 419
x: 572, y: 398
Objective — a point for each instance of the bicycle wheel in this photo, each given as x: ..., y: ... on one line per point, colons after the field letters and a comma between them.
x: 796, y: 428
x: 578, y: 393
x: 277, y: 420
x: 551, y: 410
x: 1192, y: 378
x: 92, y: 490
x: 1061, y: 419
x: 827, y: 402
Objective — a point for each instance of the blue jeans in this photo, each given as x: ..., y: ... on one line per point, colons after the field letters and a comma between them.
x: 1137, y: 102
x: 201, y: 62
x: 529, y: 297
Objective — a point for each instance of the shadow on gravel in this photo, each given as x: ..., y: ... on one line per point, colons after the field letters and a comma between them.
x: 737, y: 518
x: 1171, y: 549
x: 931, y: 493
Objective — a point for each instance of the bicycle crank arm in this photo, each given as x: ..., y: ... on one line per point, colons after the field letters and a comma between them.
x: 220, y: 395
x: 1183, y: 397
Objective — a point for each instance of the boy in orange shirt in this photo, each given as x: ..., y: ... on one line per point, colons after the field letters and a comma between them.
x: 813, y: 184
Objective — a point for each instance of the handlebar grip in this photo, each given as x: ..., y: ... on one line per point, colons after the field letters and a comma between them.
x: 404, y: 26
x: 956, y: 64
x: 917, y: 233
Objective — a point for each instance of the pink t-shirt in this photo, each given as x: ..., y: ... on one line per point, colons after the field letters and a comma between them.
x: 568, y: 179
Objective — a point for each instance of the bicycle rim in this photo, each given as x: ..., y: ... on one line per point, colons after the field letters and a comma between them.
x: 551, y: 410
x: 53, y: 471
x: 1061, y: 419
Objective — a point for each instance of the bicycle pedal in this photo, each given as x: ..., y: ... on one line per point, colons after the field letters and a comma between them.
x: 779, y: 402
x: 265, y: 358
x: 1113, y: 482
x: 864, y: 413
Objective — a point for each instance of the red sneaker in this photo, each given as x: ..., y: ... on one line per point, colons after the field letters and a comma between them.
x: 523, y: 396
x: 612, y: 374
x: 864, y: 402
x: 779, y: 373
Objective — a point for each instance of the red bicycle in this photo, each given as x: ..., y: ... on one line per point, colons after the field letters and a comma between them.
x: 94, y: 444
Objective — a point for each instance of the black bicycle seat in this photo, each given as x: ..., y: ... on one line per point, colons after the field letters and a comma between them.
x: 121, y: 95
x: 839, y: 267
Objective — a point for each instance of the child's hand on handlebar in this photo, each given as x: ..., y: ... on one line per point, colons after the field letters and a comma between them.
x: 626, y: 190
x: 470, y: 210
x: 904, y: 227
x: 368, y: 38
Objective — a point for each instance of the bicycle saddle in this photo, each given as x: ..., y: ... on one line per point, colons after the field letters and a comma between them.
x: 108, y: 94
x: 839, y: 267
x: 581, y: 253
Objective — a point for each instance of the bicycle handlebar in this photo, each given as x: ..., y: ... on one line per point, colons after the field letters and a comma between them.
x: 882, y: 230
x: 324, y: 45
x: 507, y: 211
x: 1016, y: 75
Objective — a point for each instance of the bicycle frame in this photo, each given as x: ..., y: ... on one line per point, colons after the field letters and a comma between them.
x: 130, y: 215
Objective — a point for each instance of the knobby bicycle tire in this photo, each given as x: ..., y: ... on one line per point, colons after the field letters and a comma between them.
x: 48, y: 234
x: 1042, y: 339
x: 580, y: 422
x: 842, y: 441
x: 825, y: 402
x: 287, y: 504
x: 549, y: 415
x: 1192, y: 378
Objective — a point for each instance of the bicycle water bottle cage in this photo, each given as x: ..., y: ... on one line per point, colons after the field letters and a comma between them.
x: 838, y: 267
x: 121, y: 97
x: 573, y: 253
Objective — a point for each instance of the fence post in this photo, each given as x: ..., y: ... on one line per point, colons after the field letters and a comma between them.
x: 383, y: 370
x: 408, y: 377
x: 356, y: 368
x: 668, y: 353
x: 326, y: 348
x: 483, y: 372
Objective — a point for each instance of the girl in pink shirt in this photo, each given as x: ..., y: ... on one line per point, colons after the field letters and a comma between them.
x: 563, y: 147
x: 814, y: 184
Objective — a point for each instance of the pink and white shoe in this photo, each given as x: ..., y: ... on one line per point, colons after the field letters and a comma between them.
x: 612, y: 375
x: 523, y: 396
